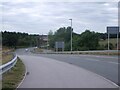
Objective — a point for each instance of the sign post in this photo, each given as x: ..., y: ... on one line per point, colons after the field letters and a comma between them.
x: 117, y: 40
x: 59, y: 45
x: 113, y: 30
x: 108, y: 40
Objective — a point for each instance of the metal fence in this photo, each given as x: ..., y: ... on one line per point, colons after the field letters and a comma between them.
x: 6, y: 67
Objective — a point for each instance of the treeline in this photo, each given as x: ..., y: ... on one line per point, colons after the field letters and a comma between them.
x: 17, y: 39
x: 88, y: 40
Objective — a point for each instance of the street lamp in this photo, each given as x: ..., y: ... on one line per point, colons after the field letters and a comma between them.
x: 71, y: 34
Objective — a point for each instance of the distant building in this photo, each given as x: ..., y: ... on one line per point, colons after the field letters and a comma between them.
x: 43, y: 39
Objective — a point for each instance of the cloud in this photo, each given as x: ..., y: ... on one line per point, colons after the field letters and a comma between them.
x: 21, y: 1
x: 40, y: 17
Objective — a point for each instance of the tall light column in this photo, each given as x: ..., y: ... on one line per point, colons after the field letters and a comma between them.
x: 71, y: 34
x: 47, y: 42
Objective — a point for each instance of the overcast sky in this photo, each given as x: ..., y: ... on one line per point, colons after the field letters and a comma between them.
x: 40, y: 17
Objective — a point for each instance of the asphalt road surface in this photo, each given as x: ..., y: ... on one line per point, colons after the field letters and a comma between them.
x: 102, y: 65
x: 47, y: 71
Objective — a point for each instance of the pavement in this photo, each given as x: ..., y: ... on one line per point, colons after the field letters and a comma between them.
x: 50, y: 73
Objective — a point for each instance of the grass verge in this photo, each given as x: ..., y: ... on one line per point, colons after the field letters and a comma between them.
x: 7, y: 58
x: 6, y: 55
x: 82, y: 52
x: 112, y: 40
x: 100, y: 53
x: 11, y: 79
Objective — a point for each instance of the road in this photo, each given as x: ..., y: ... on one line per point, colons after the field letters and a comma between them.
x: 49, y: 71
x: 102, y: 65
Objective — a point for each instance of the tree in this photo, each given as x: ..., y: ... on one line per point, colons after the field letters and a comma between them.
x: 76, y: 42
x: 62, y: 34
x: 9, y: 39
x: 86, y: 41
x: 13, y: 39
x: 89, y: 40
x: 51, y: 39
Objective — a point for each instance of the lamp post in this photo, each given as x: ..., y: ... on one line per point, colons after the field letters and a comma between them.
x: 71, y: 34
x: 47, y: 42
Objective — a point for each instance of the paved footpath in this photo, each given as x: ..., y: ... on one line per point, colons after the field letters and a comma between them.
x: 50, y: 73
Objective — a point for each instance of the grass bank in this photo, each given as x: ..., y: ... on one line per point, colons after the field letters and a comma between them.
x: 6, y: 58
x: 12, y: 78
x: 38, y: 51
x: 6, y: 55
x: 112, y: 41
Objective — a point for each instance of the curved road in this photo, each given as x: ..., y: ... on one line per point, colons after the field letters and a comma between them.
x: 50, y: 73
x: 106, y: 66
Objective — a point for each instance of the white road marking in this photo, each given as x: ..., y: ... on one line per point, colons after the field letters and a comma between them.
x: 106, y: 57
x: 91, y: 59
x: 100, y: 60
x: 101, y: 56
x: 113, y: 62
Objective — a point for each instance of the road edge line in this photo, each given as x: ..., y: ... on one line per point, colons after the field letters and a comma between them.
x: 108, y: 80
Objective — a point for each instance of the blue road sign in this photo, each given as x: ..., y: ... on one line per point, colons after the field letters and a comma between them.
x: 112, y: 30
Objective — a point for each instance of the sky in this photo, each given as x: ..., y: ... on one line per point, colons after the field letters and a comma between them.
x: 41, y: 17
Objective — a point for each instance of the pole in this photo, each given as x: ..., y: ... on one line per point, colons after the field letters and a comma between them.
x: 56, y: 47
x: 117, y: 40
x: 63, y: 47
x: 47, y: 42
x: 108, y: 41
x: 71, y: 34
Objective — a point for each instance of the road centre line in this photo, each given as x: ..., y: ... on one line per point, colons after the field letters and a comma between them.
x: 100, y: 56
x: 100, y: 60
x: 92, y: 59
x: 113, y: 62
